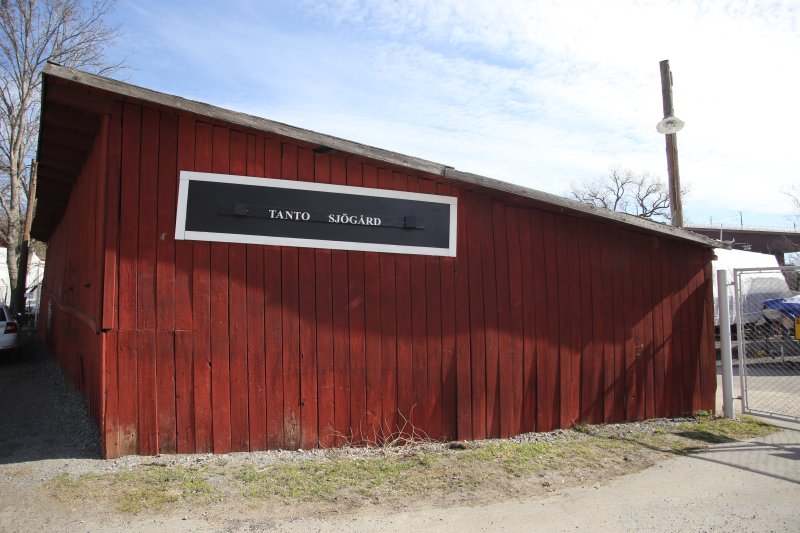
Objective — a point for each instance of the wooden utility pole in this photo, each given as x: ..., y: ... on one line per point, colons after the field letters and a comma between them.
x: 25, y: 246
x: 676, y: 206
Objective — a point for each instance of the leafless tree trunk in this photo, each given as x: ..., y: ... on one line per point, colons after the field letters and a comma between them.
x: 33, y: 32
x: 622, y: 190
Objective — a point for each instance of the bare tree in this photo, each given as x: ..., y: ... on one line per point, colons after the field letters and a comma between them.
x: 794, y: 196
x: 622, y: 190
x: 32, y: 32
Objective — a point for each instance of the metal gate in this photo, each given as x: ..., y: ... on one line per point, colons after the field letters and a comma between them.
x: 766, y: 315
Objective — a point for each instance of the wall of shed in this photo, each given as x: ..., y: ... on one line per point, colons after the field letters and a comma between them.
x: 542, y: 320
x: 72, y: 284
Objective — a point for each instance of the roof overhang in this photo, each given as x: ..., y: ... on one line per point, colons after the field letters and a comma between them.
x: 70, y: 121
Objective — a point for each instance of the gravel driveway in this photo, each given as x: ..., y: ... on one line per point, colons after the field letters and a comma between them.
x: 41, y: 427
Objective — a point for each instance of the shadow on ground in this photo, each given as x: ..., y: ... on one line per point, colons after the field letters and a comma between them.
x: 41, y: 415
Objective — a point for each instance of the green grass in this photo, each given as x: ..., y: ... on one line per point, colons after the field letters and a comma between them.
x: 313, y: 480
x: 149, y: 487
x: 715, y: 430
x: 482, y: 468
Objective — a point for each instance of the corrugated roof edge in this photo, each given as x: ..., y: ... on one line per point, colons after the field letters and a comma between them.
x: 415, y: 163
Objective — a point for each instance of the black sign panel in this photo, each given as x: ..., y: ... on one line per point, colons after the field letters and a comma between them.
x: 288, y: 213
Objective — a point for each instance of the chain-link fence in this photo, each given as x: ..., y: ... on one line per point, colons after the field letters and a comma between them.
x: 766, y: 317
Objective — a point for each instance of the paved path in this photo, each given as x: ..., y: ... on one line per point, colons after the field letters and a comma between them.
x: 750, y: 486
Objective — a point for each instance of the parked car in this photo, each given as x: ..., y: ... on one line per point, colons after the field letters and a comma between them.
x: 9, y: 331
x: 781, y: 315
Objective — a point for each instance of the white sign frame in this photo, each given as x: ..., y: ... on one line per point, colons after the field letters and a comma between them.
x: 187, y: 176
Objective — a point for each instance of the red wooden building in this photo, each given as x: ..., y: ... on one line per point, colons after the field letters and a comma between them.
x: 550, y: 312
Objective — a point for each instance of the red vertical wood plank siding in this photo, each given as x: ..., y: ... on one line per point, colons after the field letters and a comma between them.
x: 697, y: 318
x: 477, y: 322
x: 239, y: 375
x: 111, y: 429
x: 543, y: 318
x: 504, y: 360
x: 357, y: 325
x: 165, y: 283
x: 621, y: 278
x: 592, y: 320
x: 109, y: 316
x: 684, y: 316
x: 185, y: 413
x: 326, y: 414
x: 609, y: 331
x: 148, y: 199
x: 419, y: 335
x: 273, y: 318
x: 373, y: 410
x: 674, y: 332
x: 517, y: 320
x: 667, y: 269
x: 128, y: 246
x: 405, y: 376
x: 388, y: 330
x: 201, y: 310
x: 106, y: 239
x: 708, y: 362
x: 220, y: 314
x: 145, y: 281
x: 165, y: 395
x: 575, y: 310
x: 127, y: 392
x: 548, y: 394
x: 561, y: 307
x: 639, y: 341
x: 648, y: 341
x: 129, y: 216
x: 449, y: 378
x: 658, y: 331
x: 291, y: 321
x: 681, y: 327
x: 146, y: 378
x: 625, y: 321
x: 326, y: 368
x: 184, y: 256
x: 490, y: 317
x: 237, y: 303
x: 433, y: 300
x: 463, y: 345
x: 309, y: 429
x: 165, y: 224
x: 97, y: 252
x: 256, y: 354
x: 529, y: 333
x: 340, y: 302
x: 687, y: 367
x: 273, y: 327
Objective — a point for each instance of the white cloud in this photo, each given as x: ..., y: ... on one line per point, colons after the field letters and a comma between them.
x: 540, y: 93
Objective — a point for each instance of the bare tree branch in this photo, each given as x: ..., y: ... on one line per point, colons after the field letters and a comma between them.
x: 32, y: 32
x: 622, y: 190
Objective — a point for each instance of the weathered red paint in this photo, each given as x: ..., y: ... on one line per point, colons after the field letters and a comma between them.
x: 543, y: 319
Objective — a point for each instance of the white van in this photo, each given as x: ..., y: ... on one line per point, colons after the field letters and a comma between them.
x: 756, y: 287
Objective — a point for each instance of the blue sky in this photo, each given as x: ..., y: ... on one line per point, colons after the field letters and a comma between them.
x: 541, y: 94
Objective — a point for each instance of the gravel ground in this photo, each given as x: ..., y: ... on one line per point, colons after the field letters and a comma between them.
x: 43, y: 417
x: 45, y: 431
